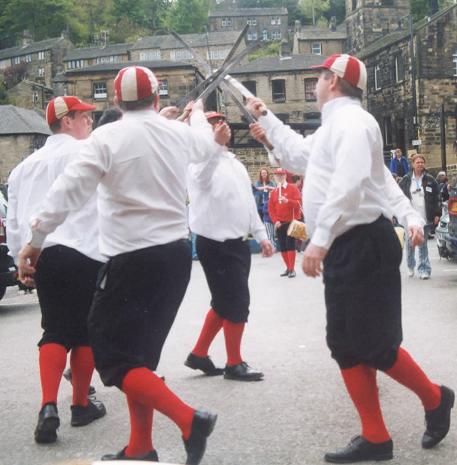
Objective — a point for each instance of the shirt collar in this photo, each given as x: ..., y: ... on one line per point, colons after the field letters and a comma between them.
x: 284, y: 185
x: 332, y: 105
x: 140, y: 114
x: 58, y: 138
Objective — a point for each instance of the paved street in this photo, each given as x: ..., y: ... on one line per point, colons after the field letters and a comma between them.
x: 292, y: 417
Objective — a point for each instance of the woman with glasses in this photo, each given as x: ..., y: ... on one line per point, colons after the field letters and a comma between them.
x: 422, y: 189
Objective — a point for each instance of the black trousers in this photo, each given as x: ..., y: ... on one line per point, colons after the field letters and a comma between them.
x: 136, y: 302
x: 285, y: 242
x: 363, y: 296
x: 65, y: 282
x: 227, y: 265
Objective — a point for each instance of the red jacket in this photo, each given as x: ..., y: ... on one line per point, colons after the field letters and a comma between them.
x: 285, y: 211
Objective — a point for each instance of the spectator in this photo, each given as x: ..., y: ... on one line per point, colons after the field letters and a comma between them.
x: 262, y: 189
x: 422, y: 189
x: 399, y: 164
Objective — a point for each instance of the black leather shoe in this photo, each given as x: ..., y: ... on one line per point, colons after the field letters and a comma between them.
x: 292, y: 274
x: 438, y: 421
x: 48, y: 423
x: 286, y: 273
x: 242, y: 372
x: 151, y: 456
x: 359, y: 450
x: 202, y: 426
x: 81, y: 416
x: 204, y: 364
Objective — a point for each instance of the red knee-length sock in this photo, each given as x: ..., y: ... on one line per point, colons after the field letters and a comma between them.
x: 361, y: 384
x: 143, y: 386
x: 140, y: 441
x: 82, y: 368
x: 52, y: 360
x: 233, y: 333
x: 285, y: 257
x: 213, y: 324
x: 291, y: 255
x: 407, y: 372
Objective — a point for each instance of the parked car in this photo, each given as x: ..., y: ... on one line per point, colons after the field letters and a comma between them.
x: 8, y: 271
x: 450, y: 238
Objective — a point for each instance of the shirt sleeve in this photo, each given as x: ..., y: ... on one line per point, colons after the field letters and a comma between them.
x: 400, y: 204
x: 13, y: 237
x: 291, y: 150
x: 71, y: 190
x: 202, y: 172
x: 351, y: 148
x: 202, y: 144
x: 256, y: 227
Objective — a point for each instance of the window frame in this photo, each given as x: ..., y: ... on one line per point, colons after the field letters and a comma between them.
x: 310, y: 92
x: 398, y: 78
x: 41, y: 72
x: 313, y: 47
x: 163, y: 88
x: 377, y: 84
x: 99, y: 95
x: 454, y: 59
x: 276, y: 20
x: 252, y: 21
x: 252, y: 35
x: 226, y: 22
x: 278, y: 97
x: 276, y: 35
x: 41, y: 55
x: 251, y: 85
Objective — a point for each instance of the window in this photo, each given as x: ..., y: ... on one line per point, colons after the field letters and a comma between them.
x: 377, y: 77
x: 264, y: 34
x: 109, y: 59
x: 252, y: 21
x: 310, y: 86
x: 278, y: 90
x: 28, y: 58
x: 73, y: 64
x: 275, y: 21
x: 454, y: 59
x: 399, y: 69
x: 217, y: 54
x: 35, y: 97
x: 16, y: 60
x: 316, y: 48
x: 41, y: 55
x: 251, y: 86
x: 252, y: 35
x: 163, y: 88
x: 387, y: 126
x: 150, y: 55
x: 354, y: 4
x: 177, y: 55
x: 40, y: 72
x: 226, y: 22
x: 100, y: 90
x: 276, y: 35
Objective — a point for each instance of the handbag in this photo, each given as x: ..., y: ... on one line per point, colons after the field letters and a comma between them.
x: 297, y: 230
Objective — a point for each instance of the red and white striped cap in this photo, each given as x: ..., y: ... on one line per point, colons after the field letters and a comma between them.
x: 347, y: 67
x: 60, y: 106
x: 135, y: 83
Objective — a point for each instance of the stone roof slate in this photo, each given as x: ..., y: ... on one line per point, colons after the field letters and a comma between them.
x: 31, y: 48
x: 194, y: 40
x: 310, y: 33
x: 248, y: 12
x: 277, y: 64
x: 16, y: 120
x: 95, y: 52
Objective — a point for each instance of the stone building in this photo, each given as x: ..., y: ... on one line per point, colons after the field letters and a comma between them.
x: 319, y: 41
x: 35, y: 61
x: 264, y: 23
x: 213, y: 47
x: 95, y: 84
x: 412, y: 86
x: 21, y: 133
x: 82, y: 57
x: 31, y: 95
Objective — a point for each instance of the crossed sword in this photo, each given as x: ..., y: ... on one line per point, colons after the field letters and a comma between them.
x: 220, y: 78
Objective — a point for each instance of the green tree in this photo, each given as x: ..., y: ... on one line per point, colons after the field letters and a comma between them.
x: 314, y: 10
x: 187, y: 16
x: 3, y: 93
x: 421, y: 8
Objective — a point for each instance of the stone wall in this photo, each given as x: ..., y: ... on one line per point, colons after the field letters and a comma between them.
x: 13, y: 149
x: 329, y: 46
x: 254, y: 159
x: 369, y: 20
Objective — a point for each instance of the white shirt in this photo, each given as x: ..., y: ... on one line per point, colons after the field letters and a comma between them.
x: 222, y: 205
x: 346, y: 183
x: 27, y: 187
x: 140, y: 164
x: 418, y: 196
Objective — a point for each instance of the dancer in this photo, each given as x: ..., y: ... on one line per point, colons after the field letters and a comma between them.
x: 349, y: 197
x: 224, y: 254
